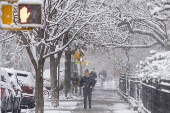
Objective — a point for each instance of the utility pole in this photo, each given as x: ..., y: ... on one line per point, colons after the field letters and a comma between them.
x: 58, y: 81
x: 67, y: 78
x: 81, y: 68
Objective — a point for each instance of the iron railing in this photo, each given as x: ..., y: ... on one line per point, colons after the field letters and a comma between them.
x: 155, y: 97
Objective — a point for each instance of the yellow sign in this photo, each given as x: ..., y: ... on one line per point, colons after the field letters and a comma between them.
x: 77, y: 55
x: 76, y: 61
x: 84, y: 63
x: 6, y: 14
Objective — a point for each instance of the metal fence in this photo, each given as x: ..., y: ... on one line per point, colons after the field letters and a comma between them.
x: 155, y: 97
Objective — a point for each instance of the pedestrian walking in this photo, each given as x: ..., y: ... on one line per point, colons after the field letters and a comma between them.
x: 94, y: 75
x: 74, y: 80
x: 80, y: 76
x: 87, y: 82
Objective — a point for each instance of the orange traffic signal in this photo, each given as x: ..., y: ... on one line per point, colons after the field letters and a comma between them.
x: 30, y: 15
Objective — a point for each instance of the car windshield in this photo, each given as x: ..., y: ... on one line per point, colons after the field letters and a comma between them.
x: 23, y: 75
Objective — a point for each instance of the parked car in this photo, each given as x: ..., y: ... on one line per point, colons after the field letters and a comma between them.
x: 47, y: 79
x: 7, y: 92
x: 16, y: 87
x: 27, y: 83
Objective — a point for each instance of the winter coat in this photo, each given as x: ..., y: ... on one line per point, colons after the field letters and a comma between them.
x: 74, y: 79
x: 93, y: 74
x: 87, y: 82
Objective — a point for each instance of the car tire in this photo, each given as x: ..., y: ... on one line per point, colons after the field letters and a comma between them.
x: 13, y: 106
x: 18, y: 108
x: 6, y: 106
x: 31, y: 105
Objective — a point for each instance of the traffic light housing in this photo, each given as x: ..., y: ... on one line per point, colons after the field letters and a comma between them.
x: 30, y: 15
x: 6, y: 16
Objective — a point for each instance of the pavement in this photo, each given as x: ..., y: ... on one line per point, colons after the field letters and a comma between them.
x: 103, y: 101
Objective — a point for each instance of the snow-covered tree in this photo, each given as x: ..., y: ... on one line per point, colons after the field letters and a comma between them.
x: 155, y: 67
x: 60, y: 18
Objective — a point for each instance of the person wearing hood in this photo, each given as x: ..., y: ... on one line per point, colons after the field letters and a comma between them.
x: 87, y: 82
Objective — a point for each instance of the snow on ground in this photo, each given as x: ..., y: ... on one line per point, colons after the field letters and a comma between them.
x: 110, y: 85
x: 102, y: 102
x: 57, y: 112
x: 125, y: 111
x: 121, y: 106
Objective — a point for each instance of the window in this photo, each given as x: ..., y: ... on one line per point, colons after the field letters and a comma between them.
x: 10, y: 74
x: 23, y: 75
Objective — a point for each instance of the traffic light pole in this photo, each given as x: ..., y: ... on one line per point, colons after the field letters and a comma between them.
x: 58, y: 81
x: 81, y: 69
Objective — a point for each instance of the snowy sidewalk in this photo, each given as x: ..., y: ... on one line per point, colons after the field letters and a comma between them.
x: 102, y: 102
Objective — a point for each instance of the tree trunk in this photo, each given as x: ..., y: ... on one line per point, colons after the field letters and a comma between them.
x: 67, y: 78
x: 54, y: 88
x: 39, y: 99
x: 53, y: 75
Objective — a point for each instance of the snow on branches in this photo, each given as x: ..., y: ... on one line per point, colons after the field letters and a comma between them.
x: 155, y: 67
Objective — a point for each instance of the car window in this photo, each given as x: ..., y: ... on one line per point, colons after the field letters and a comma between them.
x: 10, y: 74
x: 23, y: 75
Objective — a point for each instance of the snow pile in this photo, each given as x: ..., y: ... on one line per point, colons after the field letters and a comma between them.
x: 155, y: 67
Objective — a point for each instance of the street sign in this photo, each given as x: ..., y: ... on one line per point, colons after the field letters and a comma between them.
x: 77, y: 55
x: 6, y: 14
x: 84, y: 63
x: 76, y: 61
x: 30, y: 15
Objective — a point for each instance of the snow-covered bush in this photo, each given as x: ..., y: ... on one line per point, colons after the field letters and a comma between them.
x: 155, y: 67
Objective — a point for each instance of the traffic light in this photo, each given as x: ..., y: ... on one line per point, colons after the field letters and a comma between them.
x: 30, y: 15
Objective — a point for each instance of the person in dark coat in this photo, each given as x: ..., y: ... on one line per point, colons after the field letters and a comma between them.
x: 93, y: 74
x: 87, y: 82
x: 74, y: 80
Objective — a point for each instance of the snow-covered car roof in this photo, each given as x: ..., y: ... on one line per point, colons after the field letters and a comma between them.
x: 26, y: 78
x: 6, y: 84
x: 13, y: 77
